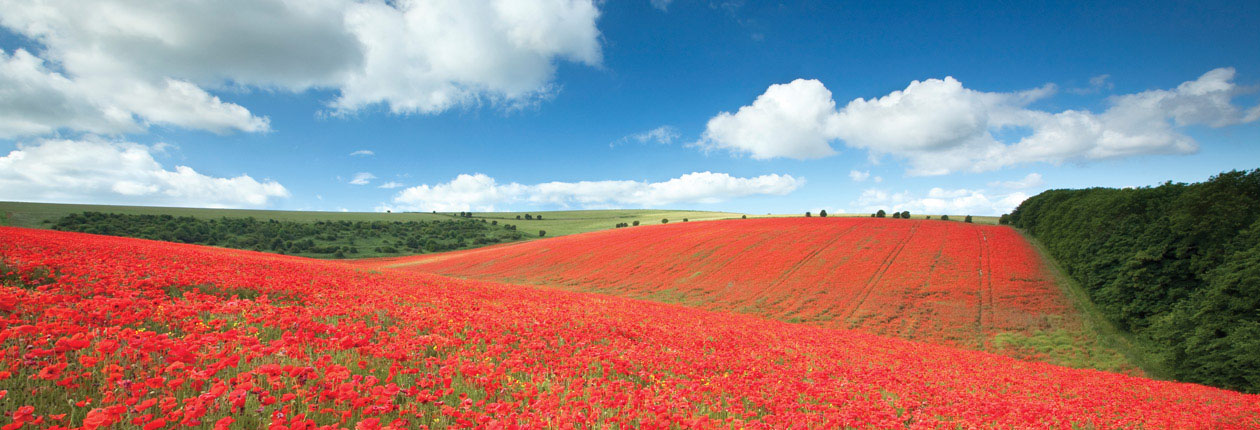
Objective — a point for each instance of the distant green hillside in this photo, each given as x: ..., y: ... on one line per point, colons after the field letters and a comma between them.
x: 554, y: 223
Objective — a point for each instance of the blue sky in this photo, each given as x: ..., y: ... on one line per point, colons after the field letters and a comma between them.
x: 739, y: 106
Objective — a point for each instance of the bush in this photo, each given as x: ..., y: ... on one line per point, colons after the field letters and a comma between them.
x: 1004, y: 219
x: 636, y: 223
x: 880, y: 214
x: 685, y: 220
x: 896, y: 215
x: 967, y: 219
x: 905, y: 214
x: 664, y: 220
x: 944, y: 217
x: 518, y: 217
x: 743, y: 217
x: 542, y: 233
x: 807, y: 215
x: 822, y: 213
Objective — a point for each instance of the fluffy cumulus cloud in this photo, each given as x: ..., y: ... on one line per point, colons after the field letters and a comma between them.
x: 792, y: 120
x: 111, y: 172
x: 483, y: 193
x: 124, y: 64
x: 939, y: 126
x: 362, y: 153
x: 36, y: 100
x: 425, y: 56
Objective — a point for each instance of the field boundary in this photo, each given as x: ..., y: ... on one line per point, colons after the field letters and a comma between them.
x: 1108, y: 334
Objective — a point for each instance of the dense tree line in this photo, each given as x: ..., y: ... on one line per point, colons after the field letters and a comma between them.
x: 337, y: 239
x: 1177, y: 265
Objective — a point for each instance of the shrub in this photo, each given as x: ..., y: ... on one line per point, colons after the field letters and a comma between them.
x: 880, y: 214
x: 636, y: 223
x: 664, y: 220
x: 967, y: 219
x: 743, y: 217
x: 822, y: 213
x: 905, y: 214
x: 896, y: 215
x: 944, y: 217
x: 542, y: 233
x: 807, y: 215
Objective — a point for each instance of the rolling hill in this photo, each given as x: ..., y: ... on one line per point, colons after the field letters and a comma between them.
x: 107, y: 332
x: 966, y: 285
x: 555, y: 223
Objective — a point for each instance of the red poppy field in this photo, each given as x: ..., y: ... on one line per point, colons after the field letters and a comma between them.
x: 101, y: 332
x: 951, y: 283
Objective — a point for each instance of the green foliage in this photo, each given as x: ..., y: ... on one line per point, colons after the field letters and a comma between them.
x: 664, y: 220
x: 635, y: 223
x: 322, y: 239
x: 880, y: 214
x: 967, y: 219
x: 807, y: 215
x: 542, y: 233
x: 822, y: 213
x: 944, y: 217
x: 1177, y: 265
x: 905, y: 214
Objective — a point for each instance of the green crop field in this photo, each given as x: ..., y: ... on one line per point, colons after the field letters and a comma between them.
x: 555, y: 223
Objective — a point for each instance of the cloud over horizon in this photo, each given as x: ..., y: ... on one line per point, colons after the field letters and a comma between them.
x: 479, y: 192
x: 117, y: 172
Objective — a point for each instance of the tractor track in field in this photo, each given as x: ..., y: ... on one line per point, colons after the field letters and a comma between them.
x: 985, y: 288
x: 883, y: 268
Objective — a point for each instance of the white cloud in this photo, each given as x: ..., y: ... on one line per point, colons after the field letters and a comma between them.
x: 793, y: 120
x: 124, y: 64
x: 429, y: 56
x: 94, y: 170
x: 663, y: 135
x: 483, y: 193
x: 35, y: 100
x: 662, y: 5
x: 1096, y: 84
x: 391, y: 185
x: 940, y: 201
x: 857, y: 176
x: 362, y: 178
x: 1032, y: 180
x: 939, y: 127
x: 362, y: 153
